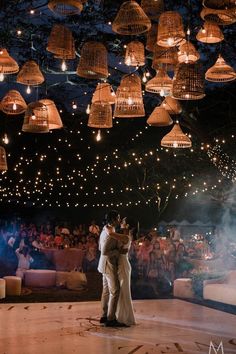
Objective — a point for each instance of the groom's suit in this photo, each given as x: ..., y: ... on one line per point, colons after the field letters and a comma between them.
x: 108, y: 266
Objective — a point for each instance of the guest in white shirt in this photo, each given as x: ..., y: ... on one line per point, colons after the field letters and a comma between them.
x: 24, y: 261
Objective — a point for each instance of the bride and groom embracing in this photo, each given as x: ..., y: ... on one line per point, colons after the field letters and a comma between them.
x: 117, y: 309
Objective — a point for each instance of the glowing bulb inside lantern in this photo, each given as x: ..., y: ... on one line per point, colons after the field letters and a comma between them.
x: 130, y: 101
x: 175, y: 144
x: 188, y: 31
x: 203, y: 30
x: 99, y: 137
x: 5, y: 139
x: 144, y: 78
x: 1, y: 77
x: 170, y: 41
x: 74, y: 105
x: 88, y: 109
x: 162, y: 92
x: 128, y: 61
x: 14, y: 107
x: 33, y: 117
x: 63, y: 66
x: 28, y: 90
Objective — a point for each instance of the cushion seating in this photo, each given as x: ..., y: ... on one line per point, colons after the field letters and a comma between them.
x: 41, y: 278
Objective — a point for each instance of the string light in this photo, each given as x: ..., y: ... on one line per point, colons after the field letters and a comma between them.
x: 28, y: 90
x: 99, y: 136
x: 63, y: 66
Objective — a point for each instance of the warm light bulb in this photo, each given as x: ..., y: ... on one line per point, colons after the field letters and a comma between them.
x: 33, y: 117
x: 74, y: 105
x: 170, y: 41
x: 88, y: 109
x: 14, y: 107
x: 98, y: 136
x: 5, y: 139
x: 28, y: 90
x: 175, y: 144
x: 63, y: 66
x: 128, y: 61
x: 1, y: 77
x: 162, y: 92
x: 130, y: 101
x: 188, y: 31
x: 144, y: 79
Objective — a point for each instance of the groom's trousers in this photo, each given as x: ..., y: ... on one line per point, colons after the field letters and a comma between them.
x: 110, y: 293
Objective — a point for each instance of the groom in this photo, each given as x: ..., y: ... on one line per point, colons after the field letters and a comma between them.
x: 108, y: 266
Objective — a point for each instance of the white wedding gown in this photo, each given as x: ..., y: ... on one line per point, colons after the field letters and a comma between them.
x: 125, y: 312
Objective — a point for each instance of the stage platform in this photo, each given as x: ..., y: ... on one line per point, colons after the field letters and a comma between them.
x: 163, y: 326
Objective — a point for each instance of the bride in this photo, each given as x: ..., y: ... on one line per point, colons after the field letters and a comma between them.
x: 124, y: 312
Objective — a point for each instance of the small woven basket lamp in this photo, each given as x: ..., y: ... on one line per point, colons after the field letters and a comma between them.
x: 171, y: 105
x: 3, y: 159
x: 161, y: 83
x: 104, y: 94
x: 170, y: 29
x: 166, y: 56
x: 176, y: 138
x: 61, y: 42
x: 153, y: 8
x: 7, y: 64
x: 159, y: 118
x: 53, y: 116
x: 151, y: 38
x: 219, y: 17
x: 220, y: 72
x: 36, y: 118
x: 13, y: 103
x: 219, y: 4
x: 30, y: 74
x: 210, y: 33
x: 100, y: 116
x: 134, y: 54
x: 93, y: 61
x: 66, y: 7
x: 131, y: 19
x: 187, y: 53
x: 188, y: 82
x: 129, y: 99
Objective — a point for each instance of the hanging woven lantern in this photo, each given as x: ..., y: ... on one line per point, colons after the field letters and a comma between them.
x: 30, y: 74
x: 129, y: 99
x: 188, y: 53
x: 100, y: 116
x: 7, y: 64
x: 104, y: 94
x: 53, y: 116
x: 176, y: 138
x: 151, y: 38
x: 210, y: 33
x: 219, y: 4
x: 220, y: 72
x: 134, y: 54
x: 161, y: 83
x: 131, y: 19
x: 13, y: 103
x: 93, y: 61
x: 66, y: 7
x: 171, y: 105
x: 153, y: 8
x: 61, y: 42
x: 170, y: 29
x: 219, y: 17
x: 3, y: 159
x: 36, y: 118
x: 165, y: 56
x: 188, y: 82
x: 159, y: 118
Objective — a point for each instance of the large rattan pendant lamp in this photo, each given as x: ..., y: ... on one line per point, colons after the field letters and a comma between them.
x: 104, y: 94
x: 135, y: 54
x: 220, y: 72
x: 61, y: 42
x: 13, y: 103
x: 188, y: 82
x: 93, y: 61
x: 176, y: 138
x: 165, y: 56
x: 7, y: 64
x: 170, y: 31
x: 30, y: 74
x: 66, y: 7
x: 219, y: 17
x: 131, y: 19
x: 187, y: 53
x: 53, y: 116
x: 129, y: 99
x: 171, y: 105
x: 219, y: 4
x: 210, y: 33
x: 3, y: 159
x: 153, y: 8
x: 36, y: 118
x: 159, y: 118
x: 161, y: 83
x: 100, y: 116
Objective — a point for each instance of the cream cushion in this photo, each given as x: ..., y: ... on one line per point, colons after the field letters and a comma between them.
x: 40, y: 278
x: 183, y: 288
x: 13, y: 285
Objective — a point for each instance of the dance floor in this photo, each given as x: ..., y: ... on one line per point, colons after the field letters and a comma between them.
x: 163, y: 326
